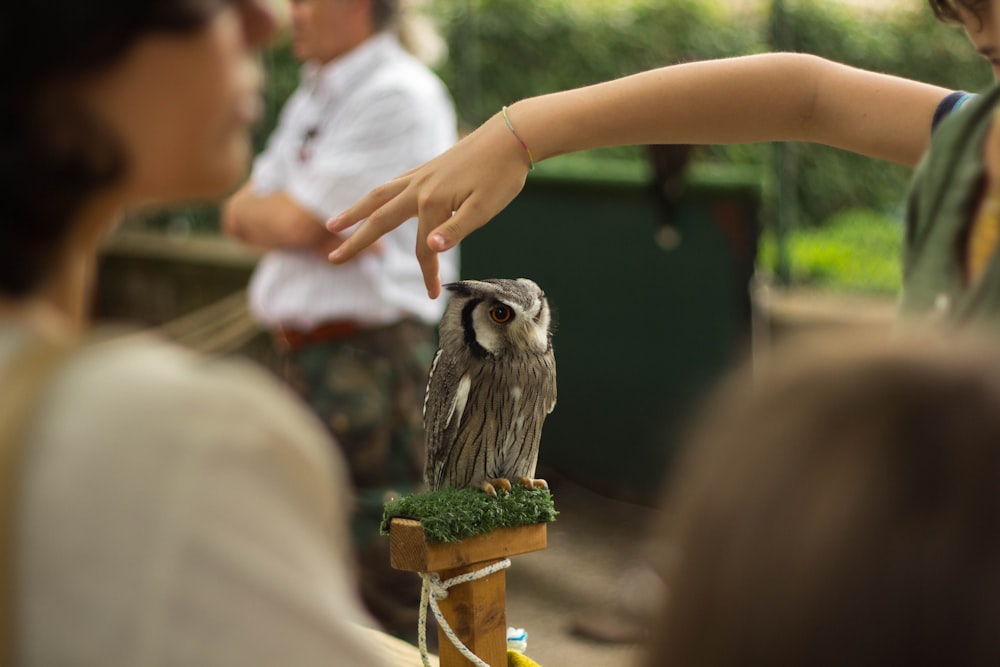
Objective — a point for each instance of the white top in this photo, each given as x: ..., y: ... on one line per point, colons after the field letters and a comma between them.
x: 352, y: 125
x: 180, y: 511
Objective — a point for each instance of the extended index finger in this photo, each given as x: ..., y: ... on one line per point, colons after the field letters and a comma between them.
x: 433, y: 212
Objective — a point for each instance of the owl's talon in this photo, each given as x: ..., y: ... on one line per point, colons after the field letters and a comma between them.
x: 490, y: 486
x: 502, y: 483
x: 532, y: 484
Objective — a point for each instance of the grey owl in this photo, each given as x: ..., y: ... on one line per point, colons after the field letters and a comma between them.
x: 491, y: 386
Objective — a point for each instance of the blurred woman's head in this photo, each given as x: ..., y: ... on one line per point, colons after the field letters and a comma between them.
x: 844, y: 512
x: 111, y: 104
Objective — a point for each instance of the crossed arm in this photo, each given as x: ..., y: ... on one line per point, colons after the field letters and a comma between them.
x: 768, y: 97
x: 271, y: 221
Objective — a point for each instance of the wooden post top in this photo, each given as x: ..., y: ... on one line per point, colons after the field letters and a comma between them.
x: 410, y: 551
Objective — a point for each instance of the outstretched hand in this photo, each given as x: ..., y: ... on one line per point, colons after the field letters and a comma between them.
x: 455, y: 193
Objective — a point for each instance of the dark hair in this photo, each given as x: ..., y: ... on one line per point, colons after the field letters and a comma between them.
x: 846, y: 512
x: 946, y: 10
x: 53, y: 156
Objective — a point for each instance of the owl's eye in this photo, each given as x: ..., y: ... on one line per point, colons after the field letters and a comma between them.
x: 501, y: 314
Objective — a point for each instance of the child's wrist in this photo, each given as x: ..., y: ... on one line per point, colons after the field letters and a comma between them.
x: 505, y: 117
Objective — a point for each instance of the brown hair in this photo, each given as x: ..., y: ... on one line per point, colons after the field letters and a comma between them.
x: 946, y: 10
x: 845, y: 512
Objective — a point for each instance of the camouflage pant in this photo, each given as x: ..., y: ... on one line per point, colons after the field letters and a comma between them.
x: 369, y: 391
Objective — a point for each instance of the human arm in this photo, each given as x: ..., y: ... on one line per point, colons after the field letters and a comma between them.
x: 769, y: 97
x: 273, y: 221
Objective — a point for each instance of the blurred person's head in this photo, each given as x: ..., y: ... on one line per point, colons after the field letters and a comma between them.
x: 976, y: 17
x: 112, y: 104
x: 323, y: 30
x: 846, y: 511
x: 958, y: 11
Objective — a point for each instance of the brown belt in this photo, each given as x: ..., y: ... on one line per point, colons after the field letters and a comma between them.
x: 292, y: 339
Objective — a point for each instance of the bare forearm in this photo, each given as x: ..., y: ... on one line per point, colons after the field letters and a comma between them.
x: 769, y: 97
x: 272, y: 221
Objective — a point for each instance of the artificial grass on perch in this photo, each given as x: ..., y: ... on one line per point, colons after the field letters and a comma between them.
x: 460, y: 542
x: 452, y: 515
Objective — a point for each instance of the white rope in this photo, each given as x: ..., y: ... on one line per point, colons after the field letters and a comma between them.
x: 433, y: 590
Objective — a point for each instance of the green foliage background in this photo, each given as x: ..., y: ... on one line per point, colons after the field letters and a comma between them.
x: 503, y: 50
x: 855, y: 251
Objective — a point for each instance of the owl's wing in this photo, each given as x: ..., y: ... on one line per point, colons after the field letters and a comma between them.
x: 444, y: 404
x: 548, y: 391
x: 540, y: 400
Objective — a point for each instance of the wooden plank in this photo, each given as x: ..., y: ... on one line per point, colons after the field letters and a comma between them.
x: 410, y: 551
x: 477, y: 612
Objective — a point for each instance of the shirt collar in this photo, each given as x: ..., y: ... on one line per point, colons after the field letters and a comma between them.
x: 344, y: 71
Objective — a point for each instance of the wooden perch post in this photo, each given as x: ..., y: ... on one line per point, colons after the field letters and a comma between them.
x: 477, y: 610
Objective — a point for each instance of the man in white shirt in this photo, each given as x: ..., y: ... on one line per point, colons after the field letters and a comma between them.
x: 356, y: 340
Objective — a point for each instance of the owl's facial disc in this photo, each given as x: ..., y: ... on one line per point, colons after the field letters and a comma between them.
x: 490, y: 322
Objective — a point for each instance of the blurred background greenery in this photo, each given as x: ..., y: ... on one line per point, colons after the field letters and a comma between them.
x: 846, y: 227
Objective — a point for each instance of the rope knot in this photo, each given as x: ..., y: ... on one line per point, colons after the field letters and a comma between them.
x: 435, y: 589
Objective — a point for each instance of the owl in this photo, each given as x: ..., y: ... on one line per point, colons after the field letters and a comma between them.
x: 491, y: 386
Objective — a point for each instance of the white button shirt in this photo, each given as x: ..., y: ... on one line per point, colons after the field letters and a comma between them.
x: 351, y: 125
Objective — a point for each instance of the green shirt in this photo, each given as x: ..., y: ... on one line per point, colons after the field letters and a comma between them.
x: 944, y: 194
